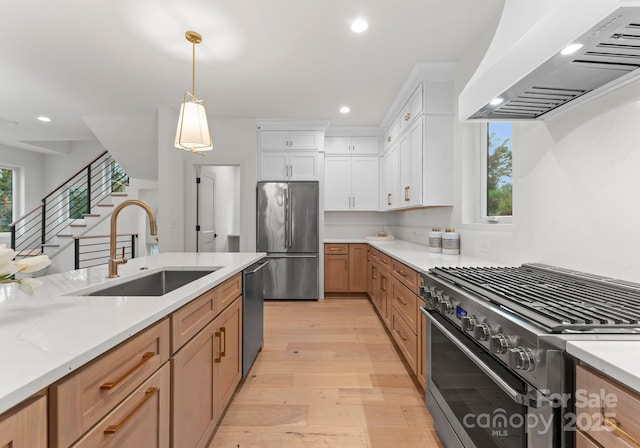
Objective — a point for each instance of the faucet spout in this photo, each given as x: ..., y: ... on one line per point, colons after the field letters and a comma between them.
x: 113, y: 260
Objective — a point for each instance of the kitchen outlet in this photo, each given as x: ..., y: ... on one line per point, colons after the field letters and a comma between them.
x: 483, y: 246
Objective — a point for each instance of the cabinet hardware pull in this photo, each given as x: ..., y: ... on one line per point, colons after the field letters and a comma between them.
x: 291, y: 172
x: 146, y: 357
x: 401, y: 272
x: 389, y: 199
x: 354, y: 201
x: 614, y: 424
x: 406, y: 193
x: 333, y: 249
x: 407, y: 116
x: 223, y: 331
x: 401, y: 335
x: 400, y: 300
x: 389, y: 139
x: 219, y: 358
x: 147, y: 396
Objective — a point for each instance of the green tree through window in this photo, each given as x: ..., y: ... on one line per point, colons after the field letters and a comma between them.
x: 6, y: 199
x: 499, y: 168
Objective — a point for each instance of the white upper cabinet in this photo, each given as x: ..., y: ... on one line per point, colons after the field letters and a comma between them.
x: 391, y: 136
x: 291, y: 140
x: 351, y: 183
x: 411, y: 175
x: 351, y: 145
x: 411, y: 110
x: 390, y: 181
x: 288, y: 165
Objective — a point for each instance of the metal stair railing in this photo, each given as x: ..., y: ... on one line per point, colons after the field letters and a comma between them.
x: 71, y: 201
x: 93, y: 250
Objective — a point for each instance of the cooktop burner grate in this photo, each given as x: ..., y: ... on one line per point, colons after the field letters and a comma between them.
x: 560, y: 300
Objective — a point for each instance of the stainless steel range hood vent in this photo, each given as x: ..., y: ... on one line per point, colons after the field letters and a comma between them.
x: 610, y: 54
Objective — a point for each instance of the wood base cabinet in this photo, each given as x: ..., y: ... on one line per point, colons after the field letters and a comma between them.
x: 141, y: 420
x: 25, y: 427
x: 205, y: 373
x: 345, y: 267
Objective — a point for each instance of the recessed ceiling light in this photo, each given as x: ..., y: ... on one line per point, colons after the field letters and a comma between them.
x: 359, y: 26
x: 496, y: 101
x: 44, y: 119
x: 345, y: 109
x: 570, y: 49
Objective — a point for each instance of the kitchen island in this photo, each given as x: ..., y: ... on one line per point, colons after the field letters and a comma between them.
x: 47, y: 335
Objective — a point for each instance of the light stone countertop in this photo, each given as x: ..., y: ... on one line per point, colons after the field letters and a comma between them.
x: 615, y: 355
x: 45, y: 336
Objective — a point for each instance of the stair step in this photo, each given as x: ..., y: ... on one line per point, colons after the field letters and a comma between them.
x: 29, y: 252
x: 49, y: 245
x: 105, y: 205
x: 90, y: 215
x: 122, y: 195
x: 77, y: 225
x: 64, y: 235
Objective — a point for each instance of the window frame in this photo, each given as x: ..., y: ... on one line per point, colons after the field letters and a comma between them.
x: 14, y: 194
x: 484, y: 158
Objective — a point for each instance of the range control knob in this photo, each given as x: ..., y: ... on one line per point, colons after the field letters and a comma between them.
x: 445, y: 305
x: 482, y: 332
x: 521, y: 358
x: 468, y: 323
x: 500, y: 344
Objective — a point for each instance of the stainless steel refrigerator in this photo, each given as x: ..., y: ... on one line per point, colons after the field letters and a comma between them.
x: 287, y: 229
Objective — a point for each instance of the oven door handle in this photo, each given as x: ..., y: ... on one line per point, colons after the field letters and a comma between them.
x: 534, y: 401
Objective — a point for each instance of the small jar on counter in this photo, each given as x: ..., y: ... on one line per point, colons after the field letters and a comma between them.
x: 450, y: 242
x: 435, y: 240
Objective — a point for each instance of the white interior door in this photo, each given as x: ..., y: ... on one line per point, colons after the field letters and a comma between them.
x: 206, y: 234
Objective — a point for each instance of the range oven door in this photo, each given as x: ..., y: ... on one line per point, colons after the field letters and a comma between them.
x: 478, y: 402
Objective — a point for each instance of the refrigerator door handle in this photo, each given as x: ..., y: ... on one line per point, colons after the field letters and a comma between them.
x: 287, y: 223
x: 290, y: 218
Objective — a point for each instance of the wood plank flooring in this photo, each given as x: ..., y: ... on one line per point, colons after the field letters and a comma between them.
x: 328, y: 376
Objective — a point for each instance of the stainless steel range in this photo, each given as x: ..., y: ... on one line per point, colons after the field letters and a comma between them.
x: 497, y: 371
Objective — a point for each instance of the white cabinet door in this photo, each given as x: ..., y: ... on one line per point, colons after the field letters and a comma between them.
x: 274, y: 140
x: 411, y: 110
x: 274, y: 165
x: 337, y: 185
x: 303, y: 166
x: 410, y: 182
x: 391, y: 188
x: 364, y: 183
x: 306, y: 140
x: 364, y: 145
x: 337, y: 145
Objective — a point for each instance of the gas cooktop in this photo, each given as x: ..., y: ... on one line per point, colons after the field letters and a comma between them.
x: 559, y: 300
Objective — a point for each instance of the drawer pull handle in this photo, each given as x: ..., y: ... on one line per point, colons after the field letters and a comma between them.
x: 401, y: 272
x: 400, y: 300
x: 389, y: 199
x: 146, y: 357
x: 613, y: 424
x: 224, y: 345
x: 407, y: 116
x: 401, y: 335
x: 333, y: 249
x: 406, y: 193
x: 219, y: 358
x: 147, y: 396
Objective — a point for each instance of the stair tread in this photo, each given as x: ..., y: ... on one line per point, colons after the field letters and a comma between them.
x: 49, y: 245
x: 77, y: 225
x: 29, y: 252
x: 105, y: 205
x: 91, y: 215
x: 119, y: 194
x: 64, y: 235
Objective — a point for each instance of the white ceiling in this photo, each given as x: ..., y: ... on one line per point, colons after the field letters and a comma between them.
x: 70, y: 59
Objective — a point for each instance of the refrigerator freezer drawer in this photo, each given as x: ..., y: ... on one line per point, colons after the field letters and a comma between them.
x: 291, y: 277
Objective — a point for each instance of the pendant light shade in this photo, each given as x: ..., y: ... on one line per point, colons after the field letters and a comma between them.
x: 192, y: 133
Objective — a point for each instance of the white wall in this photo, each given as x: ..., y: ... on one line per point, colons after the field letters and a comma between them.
x: 234, y: 143
x: 59, y: 167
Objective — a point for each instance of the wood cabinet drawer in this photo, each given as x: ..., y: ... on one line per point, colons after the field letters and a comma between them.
x: 194, y: 316
x: 406, y: 275
x: 385, y: 261
x: 336, y: 249
x: 405, y: 337
x: 26, y: 425
x: 81, y: 399
x: 372, y: 254
x: 405, y: 303
x: 141, y: 420
x: 611, y: 407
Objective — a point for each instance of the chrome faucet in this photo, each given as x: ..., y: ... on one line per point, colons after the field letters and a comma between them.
x: 113, y: 261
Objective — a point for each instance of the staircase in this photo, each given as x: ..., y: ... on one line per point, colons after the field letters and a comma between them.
x: 71, y: 210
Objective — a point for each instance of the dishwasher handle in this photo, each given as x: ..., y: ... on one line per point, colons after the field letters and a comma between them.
x: 253, y: 271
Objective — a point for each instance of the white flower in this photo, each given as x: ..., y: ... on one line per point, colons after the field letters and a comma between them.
x: 29, y: 285
x: 32, y: 264
x: 6, y: 255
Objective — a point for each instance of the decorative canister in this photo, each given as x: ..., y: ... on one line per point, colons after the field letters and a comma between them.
x: 435, y: 240
x: 450, y: 242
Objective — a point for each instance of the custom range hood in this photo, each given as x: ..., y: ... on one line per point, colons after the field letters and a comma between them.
x: 525, y: 75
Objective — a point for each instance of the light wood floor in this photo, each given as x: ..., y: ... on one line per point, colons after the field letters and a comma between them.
x: 328, y: 376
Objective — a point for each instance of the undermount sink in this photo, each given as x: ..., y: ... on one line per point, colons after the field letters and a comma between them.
x: 156, y: 284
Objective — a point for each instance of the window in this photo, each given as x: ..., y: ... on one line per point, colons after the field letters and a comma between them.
x: 78, y: 198
x: 6, y: 199
x: 497, y: 191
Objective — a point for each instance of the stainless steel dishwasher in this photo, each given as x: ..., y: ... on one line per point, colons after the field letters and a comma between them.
x: 252, y: 314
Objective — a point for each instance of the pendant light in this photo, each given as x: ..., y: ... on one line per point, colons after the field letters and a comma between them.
x: 193, y: 130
